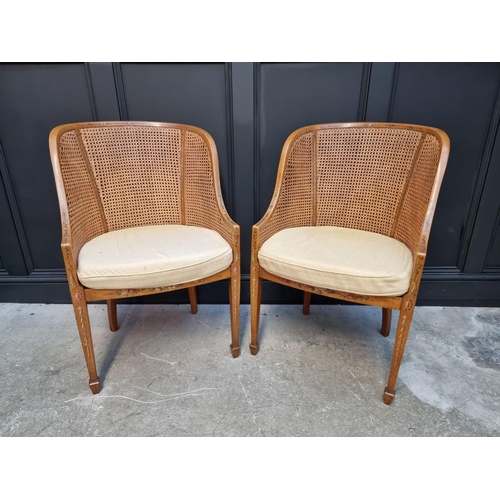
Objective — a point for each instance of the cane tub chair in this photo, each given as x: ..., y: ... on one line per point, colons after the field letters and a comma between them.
x: 142, y: 213
x: 350, y: 219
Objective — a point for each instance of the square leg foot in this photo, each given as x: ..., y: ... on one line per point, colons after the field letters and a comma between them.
x: 95, y: 387
x: 389, y: 396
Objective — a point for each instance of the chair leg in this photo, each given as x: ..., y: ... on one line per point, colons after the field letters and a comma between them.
x: 404, y: 322
x: 192, y: 299
x: 307, y: 303
x: 112, y: 316
x: 255, y: 299
x: 234, y: 302
x: 83, y: 323
x: 386, y: 322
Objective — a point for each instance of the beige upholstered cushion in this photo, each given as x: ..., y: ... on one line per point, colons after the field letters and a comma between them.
x: 347, y: 260
x: 150, y: 256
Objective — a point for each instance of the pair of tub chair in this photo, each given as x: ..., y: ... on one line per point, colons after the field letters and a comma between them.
x: 142, y: 213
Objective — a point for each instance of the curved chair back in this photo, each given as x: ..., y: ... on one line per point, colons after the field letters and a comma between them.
x: 376, y: 177
x: 116, y: 175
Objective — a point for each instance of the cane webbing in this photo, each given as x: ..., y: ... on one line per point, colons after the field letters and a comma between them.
x: 129, y: 175
x: 371, y: 178
x: 415, y: 205
x: 294, y: 207
x: 137, y: 173
x: 199, y: 193
x: 361, y: 176
x: 83, y: 207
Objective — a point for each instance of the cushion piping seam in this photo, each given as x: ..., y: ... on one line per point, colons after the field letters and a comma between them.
x: 332, y: 272
x: 155, y: 272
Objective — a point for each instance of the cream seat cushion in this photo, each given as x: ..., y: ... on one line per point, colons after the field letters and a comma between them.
x: 151, y: 256
x: 347, y: 260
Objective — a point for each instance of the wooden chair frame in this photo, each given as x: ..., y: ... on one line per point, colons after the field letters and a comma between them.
x: 81, y: 295
x: 405, y: 303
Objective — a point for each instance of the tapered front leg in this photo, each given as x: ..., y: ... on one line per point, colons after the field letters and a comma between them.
x: 307, y: 303
x: 83, y: 323
x: 386, y: 322
x: 255, y: 299
x: 234, y: 303
x: 404, y: 322
x: 192, y: 299
x: 112, y: 315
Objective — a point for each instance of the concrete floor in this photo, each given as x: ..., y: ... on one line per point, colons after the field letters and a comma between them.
x: 169, y: 373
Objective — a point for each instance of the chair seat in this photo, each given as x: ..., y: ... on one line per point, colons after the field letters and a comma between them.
x: 152, y: 256
x: 347, y: 260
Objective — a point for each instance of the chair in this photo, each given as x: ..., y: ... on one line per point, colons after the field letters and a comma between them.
x: 142, y: 213
x: 350, y: 219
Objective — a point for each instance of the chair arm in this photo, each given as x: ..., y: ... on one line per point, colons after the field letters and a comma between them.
x: 217, y: 219
x: 81, y: 216
x: 203, y: 204
x: 277, y: 217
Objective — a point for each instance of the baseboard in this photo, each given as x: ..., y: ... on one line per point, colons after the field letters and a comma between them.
x: 479, y: 290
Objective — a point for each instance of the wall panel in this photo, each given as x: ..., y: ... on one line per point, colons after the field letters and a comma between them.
x: 250, y: 109
x: 34, y: 98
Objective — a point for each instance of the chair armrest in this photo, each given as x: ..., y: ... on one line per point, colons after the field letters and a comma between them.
x: 219, y: 220
x: 414, y: 221
x: 269, y: 223
x: 204, y: 204
x: 291, y: 205
x: 81, y: 214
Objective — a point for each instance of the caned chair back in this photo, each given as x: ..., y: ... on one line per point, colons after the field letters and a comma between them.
x: 118, y: 175
x: 376, y: 177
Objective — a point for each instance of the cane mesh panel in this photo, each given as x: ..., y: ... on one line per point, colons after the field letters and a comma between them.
x: 199, y: 192
x: 137, y: 173
x: 83, y: 207
x: 295, y: 204
x: 361, y: 176
x: 415, y: 205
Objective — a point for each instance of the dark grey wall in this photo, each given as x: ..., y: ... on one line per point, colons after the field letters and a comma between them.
x: 250, y: 109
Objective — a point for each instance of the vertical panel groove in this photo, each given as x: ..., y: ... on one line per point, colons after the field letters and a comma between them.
x: 228, y: 78
x: 480, y: 182
x: 120, y: 91
x: 3, y: 271
x: 256, y: 142
x: 91, y: 91
x: 365, y: 89
x: 490, y: 246
x: 394, y: 88
x: 16, y: 215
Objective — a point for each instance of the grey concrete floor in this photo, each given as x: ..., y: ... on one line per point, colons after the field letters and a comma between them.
x: 169, y: 373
